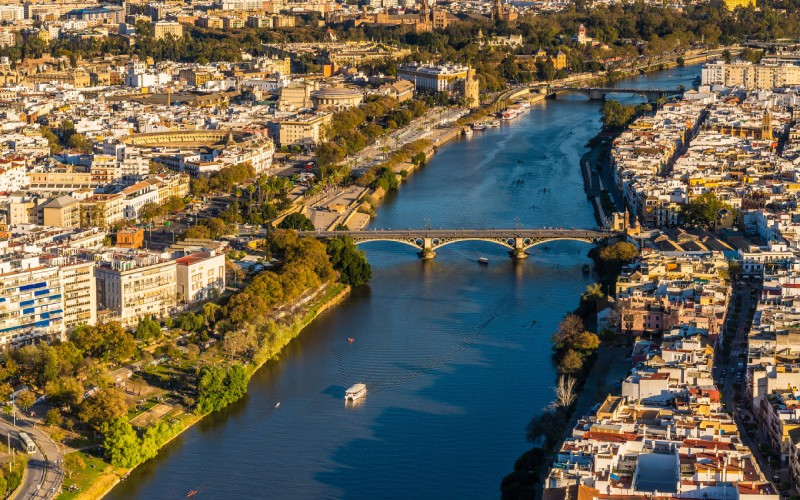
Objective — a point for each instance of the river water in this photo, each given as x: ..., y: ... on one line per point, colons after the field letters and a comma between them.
x: 456, y: 355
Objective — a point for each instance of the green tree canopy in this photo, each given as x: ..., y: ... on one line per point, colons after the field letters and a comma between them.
x: 147, y: 329
x: 704, y: 209
x: 351, y: 263
x: 296, y: 221
x: 107, y: 404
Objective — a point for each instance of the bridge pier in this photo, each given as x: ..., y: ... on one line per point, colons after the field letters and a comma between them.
x: 427, y: 252
x: 518, y: 253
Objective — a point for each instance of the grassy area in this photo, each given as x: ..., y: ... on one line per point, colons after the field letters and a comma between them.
x: 138, y: 410
x: 93, y: 479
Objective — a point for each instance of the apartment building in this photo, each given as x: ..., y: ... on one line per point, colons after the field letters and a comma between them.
x: 305, y: 130
x: 201, y: 276
x: 137, y: 284
x: 44, y: 298
x: 750, y: 76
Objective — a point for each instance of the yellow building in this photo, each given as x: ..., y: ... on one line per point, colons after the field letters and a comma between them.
x: 304, y: 130
x: 733, y: 4
x: 63, y: 211
x: 163, y: 28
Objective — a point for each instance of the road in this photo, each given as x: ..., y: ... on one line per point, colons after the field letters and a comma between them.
x: 730, y: 376
x: 588, y: 234
x: 43, y: 475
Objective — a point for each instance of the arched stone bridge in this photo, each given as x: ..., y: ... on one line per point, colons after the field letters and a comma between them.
x: 599, y: 93
x: 427, y: 241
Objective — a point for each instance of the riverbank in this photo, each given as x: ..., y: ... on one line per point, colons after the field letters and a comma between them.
x: 105, y: 481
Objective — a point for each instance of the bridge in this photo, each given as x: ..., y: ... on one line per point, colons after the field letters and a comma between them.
x: 599, y: 93
x: 427, y: 241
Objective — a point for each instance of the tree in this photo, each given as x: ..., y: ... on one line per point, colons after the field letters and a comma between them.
x: 105, y: 341
x: 569, y: 329
x: 354, y: 270
x: 565, y: 392
x: 704, y: 210
x: 65, y: 391
x: 122, y: 447
x: 520, y: 484
x: 585, y: 341
x: 150, y: 211
x: 571, y: 362
x: 548, y: 426
x: 147, y: 329
x: 53, y: 417
x: 73, y: 462
x: 105, y: 405
x: 5, y: 391
x: 617, y: 115
x: 212, y: 312
x: 79, y: 142
x: 610, y: 259
x: 296, y: 221
x: 190, y: 322
x: 25, y: 399
x: 218, y: 387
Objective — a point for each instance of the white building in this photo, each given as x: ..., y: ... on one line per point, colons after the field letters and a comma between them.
x: 201, y: 276
x: 438, y: 78
x: 135, y: 285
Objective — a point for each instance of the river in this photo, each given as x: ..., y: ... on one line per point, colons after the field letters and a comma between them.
x: 456, y: 355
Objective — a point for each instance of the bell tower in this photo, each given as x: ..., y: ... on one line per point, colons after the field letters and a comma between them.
x: 766, y: 126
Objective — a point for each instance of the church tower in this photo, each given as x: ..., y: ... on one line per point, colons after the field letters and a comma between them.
x: 497, y: 9
x: 766, y: 126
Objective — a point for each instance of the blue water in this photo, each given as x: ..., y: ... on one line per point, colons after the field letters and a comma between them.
x: 456, y: 355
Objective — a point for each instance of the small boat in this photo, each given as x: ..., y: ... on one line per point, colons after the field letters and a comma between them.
x: 467, y: 131
x: 586, y: 269
x: 479, y: 126
x: 494, y: 123
x: 351, y: 339
x: 483, y: 260
x: 191, y: 493
x: 277, y: 404
x: 355, y: 392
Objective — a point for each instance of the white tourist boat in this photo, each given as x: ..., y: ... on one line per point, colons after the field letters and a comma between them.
x: 355, y: 392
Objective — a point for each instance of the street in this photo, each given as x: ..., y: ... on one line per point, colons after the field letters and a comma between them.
x: 731, y: 377
x: 43, y: 476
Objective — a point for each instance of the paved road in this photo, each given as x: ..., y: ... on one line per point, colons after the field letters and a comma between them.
x: 467, y: 233
x: 728, y: 370
x: 43, y: 475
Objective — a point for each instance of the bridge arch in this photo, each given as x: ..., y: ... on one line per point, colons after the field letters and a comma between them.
x: 411, y: 243
x: 548, y: 240
x: 450, y: 241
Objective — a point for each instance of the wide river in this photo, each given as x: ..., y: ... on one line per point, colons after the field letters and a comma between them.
x: 456, y: 355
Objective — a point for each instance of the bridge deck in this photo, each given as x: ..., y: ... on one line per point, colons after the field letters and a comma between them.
x: 467, y: 233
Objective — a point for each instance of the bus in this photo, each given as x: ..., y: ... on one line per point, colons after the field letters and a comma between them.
x: 28, y: 446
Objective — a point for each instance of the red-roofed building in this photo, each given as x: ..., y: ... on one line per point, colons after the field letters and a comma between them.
x: 201, y: 275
